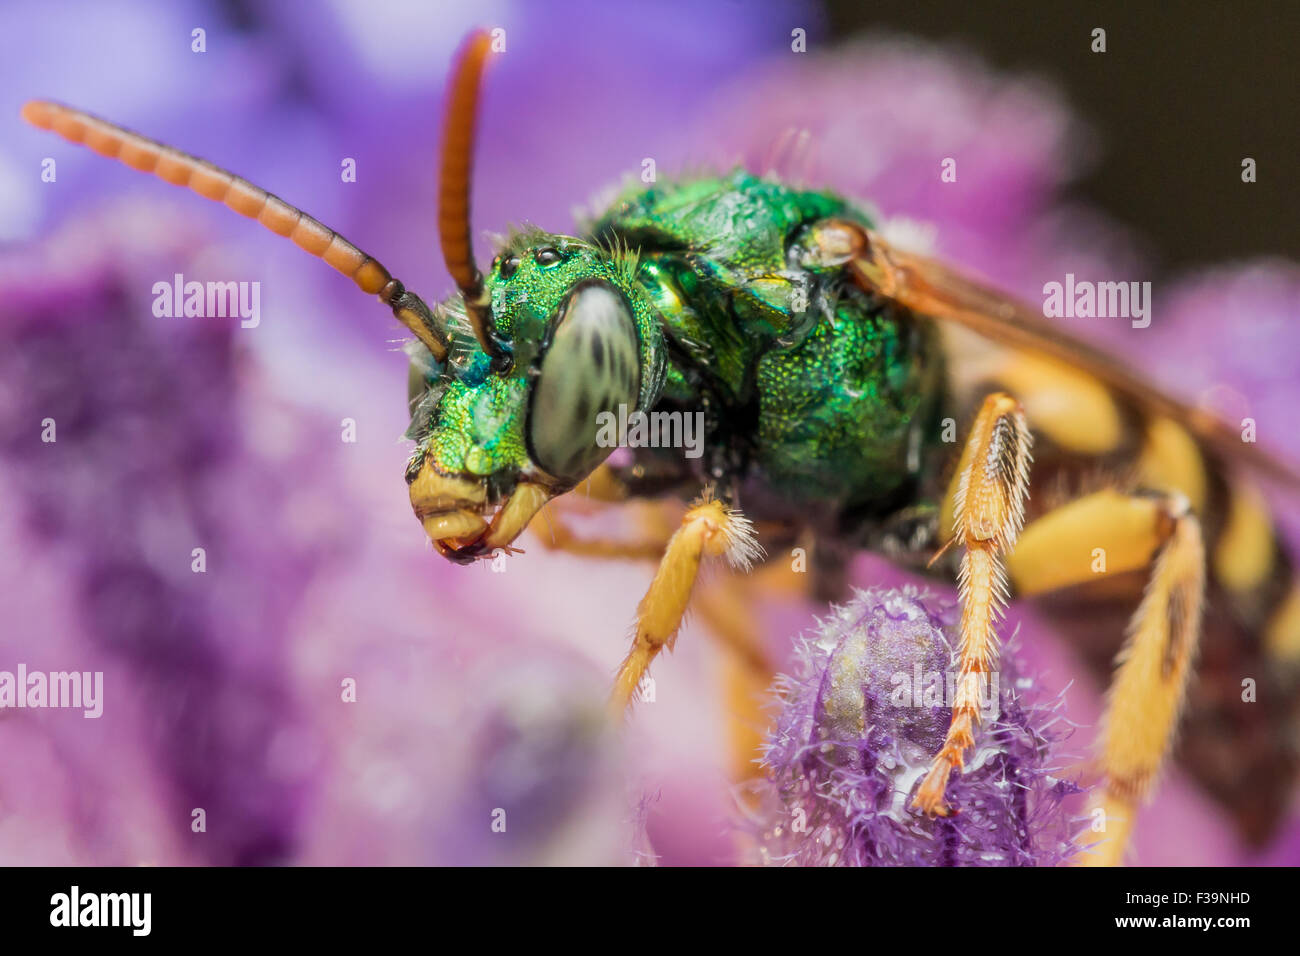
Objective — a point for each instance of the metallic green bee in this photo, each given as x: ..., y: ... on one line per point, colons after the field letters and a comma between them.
x: 820, y: 360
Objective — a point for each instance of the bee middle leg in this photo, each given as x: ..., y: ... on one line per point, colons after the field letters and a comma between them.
x: 987, y: 505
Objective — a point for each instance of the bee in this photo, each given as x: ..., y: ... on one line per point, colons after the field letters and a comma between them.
x: 825, y: 364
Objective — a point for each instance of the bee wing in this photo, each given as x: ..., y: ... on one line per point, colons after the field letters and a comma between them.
x: 931, y: 288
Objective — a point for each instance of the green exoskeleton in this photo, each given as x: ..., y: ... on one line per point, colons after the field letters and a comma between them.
x: 819, y: 361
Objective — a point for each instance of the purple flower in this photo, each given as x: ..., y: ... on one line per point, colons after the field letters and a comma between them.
x: 861, y: 719
x: 546, y: 782
x: 128, y: 463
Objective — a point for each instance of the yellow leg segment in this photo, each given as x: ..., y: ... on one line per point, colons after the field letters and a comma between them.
x: 728, y: 607
x: 1147, y: 692
x: 554, y: 534
x: 1108, y: 533
x: 603, y: 485
x: 988, y: 510
x: 709, y: 529
x: 603, y: 488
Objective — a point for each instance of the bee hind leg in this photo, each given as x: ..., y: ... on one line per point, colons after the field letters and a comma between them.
x: 1128, y: 532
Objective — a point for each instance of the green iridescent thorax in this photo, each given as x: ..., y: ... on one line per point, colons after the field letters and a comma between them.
x: 473, y: 422
x: 820, y: 390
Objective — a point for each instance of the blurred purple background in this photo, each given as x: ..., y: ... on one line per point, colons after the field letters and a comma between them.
x: 475, y: 690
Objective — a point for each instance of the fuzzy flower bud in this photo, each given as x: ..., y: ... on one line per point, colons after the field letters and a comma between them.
x: 858, y: 725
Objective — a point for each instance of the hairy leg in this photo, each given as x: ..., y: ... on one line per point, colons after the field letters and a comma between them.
x: 709, y: 529
x: 1146, y: 695
x: 987, y: 509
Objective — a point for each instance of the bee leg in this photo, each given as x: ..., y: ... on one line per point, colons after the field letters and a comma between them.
x: 729, y: 608
x: 726, y: 607
x: 604, y: 484
x: 988, y: 495
x: 1146, y: 694
x: 603, y: 489
x: 555, y: 535
x: 709, y: 529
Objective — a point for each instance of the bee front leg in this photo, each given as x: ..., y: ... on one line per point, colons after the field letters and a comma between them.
x: 987, y: 504
x: 709, y: 529
x: 605, y: 489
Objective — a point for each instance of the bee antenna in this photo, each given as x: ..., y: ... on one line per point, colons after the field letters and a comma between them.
x: 213, y: 182
x: 459, y: 123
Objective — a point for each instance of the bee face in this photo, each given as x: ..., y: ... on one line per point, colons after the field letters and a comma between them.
x: 500, y: 442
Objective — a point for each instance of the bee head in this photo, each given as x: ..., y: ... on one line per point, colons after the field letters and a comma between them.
x: 497, y: 439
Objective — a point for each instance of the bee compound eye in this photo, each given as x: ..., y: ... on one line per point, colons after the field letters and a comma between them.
x: 547, y: 256
x: 509, y: 267
x: 591, y: 367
